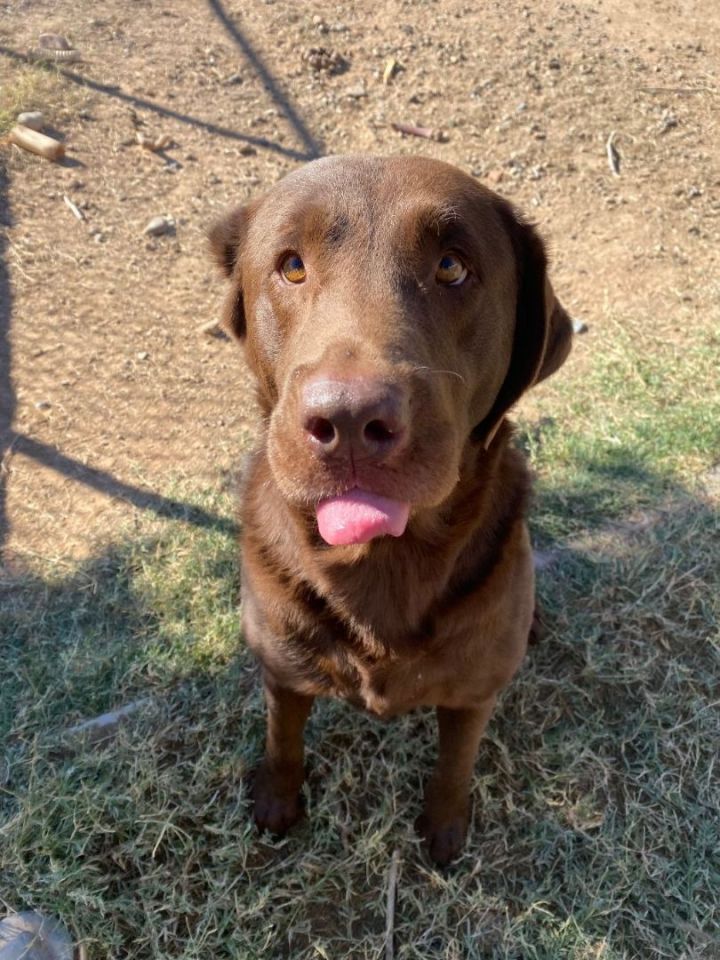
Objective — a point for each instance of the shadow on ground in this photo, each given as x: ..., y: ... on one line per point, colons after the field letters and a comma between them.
x: 595, y: 778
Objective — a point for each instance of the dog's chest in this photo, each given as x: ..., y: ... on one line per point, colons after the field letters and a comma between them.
x: 388, y: 685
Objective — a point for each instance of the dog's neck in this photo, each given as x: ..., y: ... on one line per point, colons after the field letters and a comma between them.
x: 445, y: 553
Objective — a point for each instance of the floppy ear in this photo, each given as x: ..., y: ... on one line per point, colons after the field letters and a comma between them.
x: 543, y: 332
x: 226, y: 238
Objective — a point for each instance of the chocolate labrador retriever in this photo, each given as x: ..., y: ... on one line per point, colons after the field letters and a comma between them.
x: 392, y: 311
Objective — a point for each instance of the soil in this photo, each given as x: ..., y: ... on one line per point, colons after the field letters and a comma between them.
x: 110, y: 390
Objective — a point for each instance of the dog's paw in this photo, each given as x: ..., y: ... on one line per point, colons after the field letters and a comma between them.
x: 444, y: 836
x: 275, y: 807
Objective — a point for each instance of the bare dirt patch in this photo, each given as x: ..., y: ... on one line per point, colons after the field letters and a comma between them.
x: 109, y: 389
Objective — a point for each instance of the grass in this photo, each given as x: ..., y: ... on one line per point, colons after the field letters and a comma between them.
x: 595, y: 831
x: 31, y: 87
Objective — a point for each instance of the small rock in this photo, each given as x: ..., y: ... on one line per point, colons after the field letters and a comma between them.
x: 213, y: 329
x: 320, y: 59
x: 668, y: 121
x: 579, y: 326
x: 356, y: 93
x: 248, y: 150
x: 53, y: 41
x: 159, y: 226
x: 694, y: 192
x: 43, y: 405
x: 31, y: 936
x: 554, y: 64
x: 143, y: 355
x: 32, y: 119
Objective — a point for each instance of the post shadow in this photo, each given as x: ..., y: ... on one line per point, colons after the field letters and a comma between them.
x: 141, y: 103
x: 313, y: 148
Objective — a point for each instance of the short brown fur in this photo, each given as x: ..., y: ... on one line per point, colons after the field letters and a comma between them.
x: 440, y: 616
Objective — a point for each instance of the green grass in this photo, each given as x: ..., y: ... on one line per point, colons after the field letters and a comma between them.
x: 595, y: 831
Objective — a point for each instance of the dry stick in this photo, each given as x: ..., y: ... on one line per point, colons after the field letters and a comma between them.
x: 73, y: 208
x: 35, y: 142
x: 428, y: 133
x: 106, y: 725
x: 390, y: 921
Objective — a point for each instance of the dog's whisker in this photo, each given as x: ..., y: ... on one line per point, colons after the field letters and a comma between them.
x: 450, y: 373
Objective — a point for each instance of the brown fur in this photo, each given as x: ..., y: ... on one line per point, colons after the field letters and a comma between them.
x: 440, y: 616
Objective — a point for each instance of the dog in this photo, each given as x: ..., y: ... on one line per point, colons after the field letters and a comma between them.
x: 392, y: 311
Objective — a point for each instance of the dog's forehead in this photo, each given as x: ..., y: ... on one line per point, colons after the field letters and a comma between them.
x: 382, y: 192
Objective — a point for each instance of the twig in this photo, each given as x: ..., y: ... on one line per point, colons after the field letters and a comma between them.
x: 391, y: 893
x: 613, y: 155
x: 73, y: 208
x: 106, y: 725
x: 428, y: 133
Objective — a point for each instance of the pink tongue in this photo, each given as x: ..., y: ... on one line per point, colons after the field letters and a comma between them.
x: 358, y: 516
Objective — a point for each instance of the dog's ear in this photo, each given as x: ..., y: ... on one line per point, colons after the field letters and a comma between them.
x: 226, y: 238
x: 543, y: 331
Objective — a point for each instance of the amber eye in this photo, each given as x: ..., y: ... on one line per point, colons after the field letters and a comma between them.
x: 451, y: 271
x: 292, y: 268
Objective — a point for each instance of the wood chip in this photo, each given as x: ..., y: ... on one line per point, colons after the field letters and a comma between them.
x: 391, y: 68
x: 73, y: 208
x: 428, y: 133
x: 154, y: 144
x: 35, y: 142
x: 613, y: 155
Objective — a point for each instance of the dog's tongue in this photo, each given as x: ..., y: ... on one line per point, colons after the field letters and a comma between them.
x: 359, y: 516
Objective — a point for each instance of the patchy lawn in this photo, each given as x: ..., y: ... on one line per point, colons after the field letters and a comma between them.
x: 595, y: 831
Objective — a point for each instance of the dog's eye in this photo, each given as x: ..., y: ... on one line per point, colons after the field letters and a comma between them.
x: 451, y: 271
x: 292, y: 268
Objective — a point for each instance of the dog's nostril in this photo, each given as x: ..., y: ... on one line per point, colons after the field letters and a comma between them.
x: 321, y: 429
x: 378, y: 432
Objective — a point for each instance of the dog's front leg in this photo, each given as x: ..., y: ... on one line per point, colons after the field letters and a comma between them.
x: 445, y: 817
x: 278, y: 779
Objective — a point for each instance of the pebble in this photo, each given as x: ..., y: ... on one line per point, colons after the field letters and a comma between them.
x: 53, y: 41
x: 43, y: 405
x: 579, y: 326
x: 32, y: 936
x: 32, y: 119
x: 143, y: 355
x: 159, y: 226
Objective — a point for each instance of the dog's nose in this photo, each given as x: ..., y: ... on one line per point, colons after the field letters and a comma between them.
x: 363, y: 416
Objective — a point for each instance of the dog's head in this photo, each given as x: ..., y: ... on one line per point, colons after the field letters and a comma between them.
x: 392, y: 311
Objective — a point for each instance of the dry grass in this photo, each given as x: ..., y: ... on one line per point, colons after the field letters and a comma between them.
x: 595, y: 831
x: 31, y: 87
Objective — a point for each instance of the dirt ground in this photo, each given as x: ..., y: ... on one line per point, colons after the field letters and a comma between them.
x: 110, y: 392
